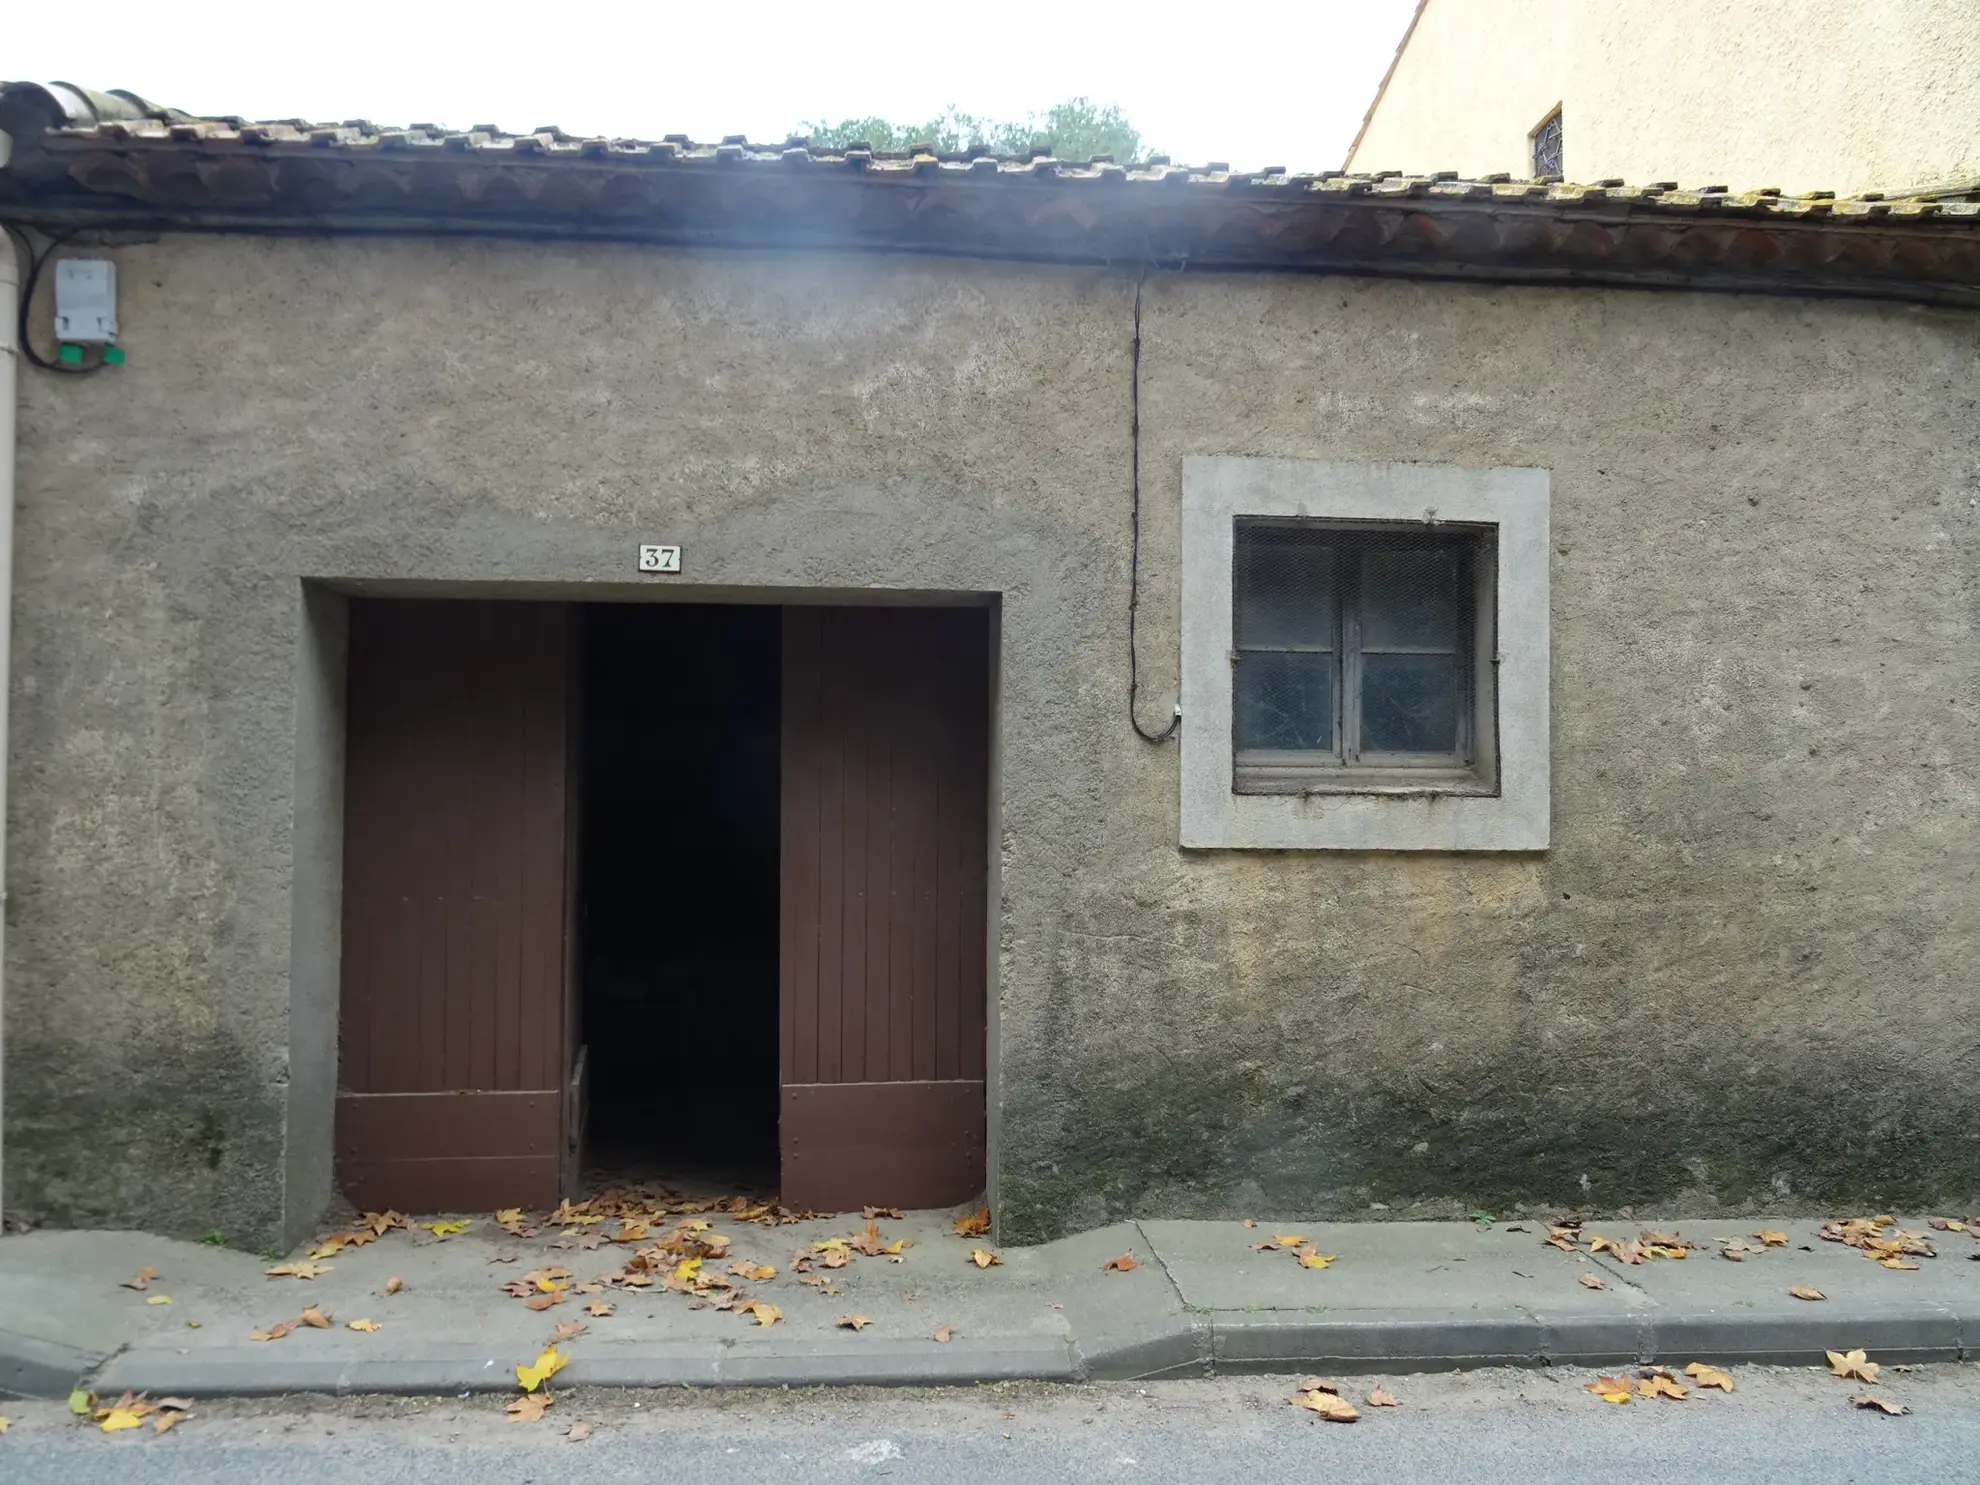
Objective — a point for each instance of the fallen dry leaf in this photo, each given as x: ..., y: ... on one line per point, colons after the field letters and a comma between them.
x: 5, y: 1423
x: 1852, y: 1366
x: 973, y: 1225
x: 1660, y: 1384
x: 759, y: 1273
x: 394, y: 1284
x: 1377, y: 1398
x: 1772, y: 1239
x: 890, y: 1213
x: 852, y: 1322
x: 1880, y: 1404
x: 1291, y: 1239
x: 529, y: 1409
x: 1319, y: 1384
x: 543, y: 1302
x: 1703, y: 1375
x: 1593, y: 1281
x: 1328, y: 1405
x: 1310, y: 1259
x: 367, y: 1326
x: 165, y: 1421
x: 1892, y: 1262
x: 142, y: 1281
x: 569, y: 1330
x: 598, y: 1309
x: 766, y: 1315
x: 1612, y: 1389
x: 548, y: 1363
x: 1124, y: 1264
x: 444, y: 1230
x: 945, y: 1334
x: 1802, y: 1291
x: 314, y: 1318
x: 115, y: 1420
x: 983, y: 1257
x: 304, y: 1270
x: 274, y: 1332
x: 158, y: 1299
x: 578, y: 1432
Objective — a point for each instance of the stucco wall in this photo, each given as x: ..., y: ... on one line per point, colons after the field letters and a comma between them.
x: 1743, y: 974
x: 1802, y: 94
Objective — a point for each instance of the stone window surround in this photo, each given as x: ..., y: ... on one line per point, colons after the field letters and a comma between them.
x: 1217, y: 490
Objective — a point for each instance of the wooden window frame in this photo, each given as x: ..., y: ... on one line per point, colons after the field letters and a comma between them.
x: 1345, y: 767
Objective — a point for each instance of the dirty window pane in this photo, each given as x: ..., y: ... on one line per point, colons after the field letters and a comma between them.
x: 1285, y: 589
x: 1284, y: 699
x: 1409, y: 599
x: 1547, y: 147
x: 1409, y: 703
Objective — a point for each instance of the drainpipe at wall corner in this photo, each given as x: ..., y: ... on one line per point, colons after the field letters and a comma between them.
x: 10, y: 358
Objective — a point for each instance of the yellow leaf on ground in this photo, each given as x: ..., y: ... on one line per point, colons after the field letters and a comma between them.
x: 547, y: 1365
x: 1291, y: 1239
x: 983, y: 1257
x: 1124, y: 1264
x: 1660, y: 1384
x: 766, y: 1315
x: 298, y: 1270
x: 1771, y: 1239
x: 687, y: 1268
x: 1330, y: 1406
x: 166, y: 1299
x: 367, y: 1326
x: 945, y: 1334
x: 1852, y: 1366
x: 394, y: 1284
x: 117, y: 1419
x: 852, y: 1322
x: 598, y: 1308
x: 1593, y: 1281
x: 1310, y: 1259
x: 897, y: 1247
x: 1891, y: 1262
x: 444, y: 1229
x: 1879, y: 1404
x: 528, y: 1409
x: 80, y: 1402
x: 973, y: 1225
x: 508, y: 1215
x: 1708, y: 1376
x: 742, y: 1268
x: 5, y: 1422
x: 1612, y: 1389
x: 1377, y: 1398
x: 1802, y: 1291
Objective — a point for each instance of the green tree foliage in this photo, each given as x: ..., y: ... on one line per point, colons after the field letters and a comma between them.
x: 1077, y: 129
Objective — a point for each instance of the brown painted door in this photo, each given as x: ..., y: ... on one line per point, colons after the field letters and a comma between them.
x: 884, y: 877
x: 456, y: 1036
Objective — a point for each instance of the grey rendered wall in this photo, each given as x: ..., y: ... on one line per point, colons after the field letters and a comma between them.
x: 1740, y: 975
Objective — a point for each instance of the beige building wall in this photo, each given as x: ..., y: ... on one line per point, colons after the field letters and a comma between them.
x: 1842, y: 95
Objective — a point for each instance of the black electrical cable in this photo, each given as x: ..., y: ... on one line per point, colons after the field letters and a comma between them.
x: 1134, y: 560
x: 36, y: 262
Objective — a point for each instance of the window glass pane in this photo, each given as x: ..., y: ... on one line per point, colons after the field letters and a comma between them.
x: 1411, y: 598
x: 1409, y: 703
x: 1285, y: 589
x: 1284, y: 700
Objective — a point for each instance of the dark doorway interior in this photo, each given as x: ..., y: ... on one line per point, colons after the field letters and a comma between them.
x: 678, y: 893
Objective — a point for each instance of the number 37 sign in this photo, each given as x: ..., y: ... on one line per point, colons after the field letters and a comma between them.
x: 659, y: 559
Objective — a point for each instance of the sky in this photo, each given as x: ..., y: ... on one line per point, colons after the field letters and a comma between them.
x: 1254, y: 82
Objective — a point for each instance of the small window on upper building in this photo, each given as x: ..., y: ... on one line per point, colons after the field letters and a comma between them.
x: 1547, y: 147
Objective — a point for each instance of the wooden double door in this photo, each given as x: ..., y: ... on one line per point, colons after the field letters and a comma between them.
x: 461, y: 1060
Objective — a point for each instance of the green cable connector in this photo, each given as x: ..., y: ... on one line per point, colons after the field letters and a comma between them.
x: 113, y: 355
x: 70, y: 355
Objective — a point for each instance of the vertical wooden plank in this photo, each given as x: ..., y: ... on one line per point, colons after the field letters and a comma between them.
x: 926, y: 731
x: 950, y: 808
x: 831, y: 835
x: 906, y: 762
x: 883, y: 663
x: 799, y: 911
x: 857, y: 638
x: 973, y: 824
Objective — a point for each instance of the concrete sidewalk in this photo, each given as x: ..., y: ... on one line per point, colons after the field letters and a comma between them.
x: 1398, y: 1297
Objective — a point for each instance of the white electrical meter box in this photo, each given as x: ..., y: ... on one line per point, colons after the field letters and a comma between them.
x: 85, y: 301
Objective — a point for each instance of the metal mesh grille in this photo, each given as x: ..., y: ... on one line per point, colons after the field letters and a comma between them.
x: 1547, y: 147
x: 1352, y: 647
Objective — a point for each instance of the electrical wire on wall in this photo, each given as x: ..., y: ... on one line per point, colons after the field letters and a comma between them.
x: 35, y: 263
x: 1134, y: 559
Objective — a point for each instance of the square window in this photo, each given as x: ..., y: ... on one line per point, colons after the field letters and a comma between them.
x: 1354, y: 656
x: 1365, y: 656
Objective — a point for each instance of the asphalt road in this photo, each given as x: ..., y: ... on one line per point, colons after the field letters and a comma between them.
x: 1485, y: 1427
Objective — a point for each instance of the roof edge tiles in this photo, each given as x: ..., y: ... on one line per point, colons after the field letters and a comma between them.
x: 114, y: 160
